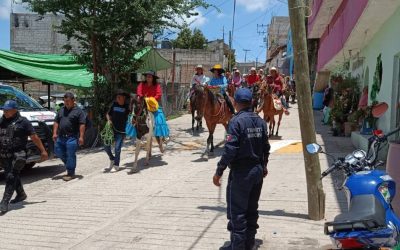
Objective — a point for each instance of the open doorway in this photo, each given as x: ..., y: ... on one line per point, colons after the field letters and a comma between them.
x: 396, y: 91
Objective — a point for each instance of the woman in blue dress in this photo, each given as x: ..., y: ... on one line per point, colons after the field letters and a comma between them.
x: 218, y: 79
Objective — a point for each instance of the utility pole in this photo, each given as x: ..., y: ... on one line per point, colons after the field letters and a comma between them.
x: 315, y: 192
x: 231, y: 36
x: 223, y: 33
x: 245, y: 54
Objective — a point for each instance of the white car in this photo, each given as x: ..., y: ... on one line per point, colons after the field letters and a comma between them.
x: 41, y: 119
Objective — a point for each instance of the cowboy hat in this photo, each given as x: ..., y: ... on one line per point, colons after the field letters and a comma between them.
x: 121, y: 92
x: 253, y: 69
x: 217, y: 67
x: 272, y: 69
x: 199, y: 66
x: 152, y: 73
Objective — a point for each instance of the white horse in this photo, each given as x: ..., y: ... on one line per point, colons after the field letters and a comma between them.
x: 145, y: 140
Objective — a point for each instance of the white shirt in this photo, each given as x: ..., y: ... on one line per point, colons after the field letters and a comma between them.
x: 199, y: 79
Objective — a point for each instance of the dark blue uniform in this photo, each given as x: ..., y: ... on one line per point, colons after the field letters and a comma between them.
x: 246, y: 153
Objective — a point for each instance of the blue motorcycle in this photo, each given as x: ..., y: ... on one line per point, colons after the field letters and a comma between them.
x: 370, y: 222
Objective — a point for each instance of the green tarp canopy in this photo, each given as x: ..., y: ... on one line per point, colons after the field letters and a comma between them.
x: 64, y: 70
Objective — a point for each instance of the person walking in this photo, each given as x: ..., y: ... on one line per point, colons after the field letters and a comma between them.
x: 151, y: 88
x: 14, y: 133
x: 117, y: 116
x: 246, y: 153
x: 219, y: 80
x: 68, y: 133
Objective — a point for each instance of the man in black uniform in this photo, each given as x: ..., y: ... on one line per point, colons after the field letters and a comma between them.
x: 14, y: 132
x: 68, y: 133
x: 246, y: 153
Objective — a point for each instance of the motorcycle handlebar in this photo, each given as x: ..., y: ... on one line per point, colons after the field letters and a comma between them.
x: 329, y: 170
x: 393, y: 132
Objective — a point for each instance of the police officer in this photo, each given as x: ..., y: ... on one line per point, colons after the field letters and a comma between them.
x: 14, y: 132
x: 246, y: 153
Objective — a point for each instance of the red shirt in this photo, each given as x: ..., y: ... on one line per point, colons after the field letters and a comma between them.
x: 145, y: 90
x: 252, y: 79
x: 277, y: 82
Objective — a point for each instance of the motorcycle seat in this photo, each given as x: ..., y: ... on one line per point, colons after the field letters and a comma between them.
x: 365, y: 212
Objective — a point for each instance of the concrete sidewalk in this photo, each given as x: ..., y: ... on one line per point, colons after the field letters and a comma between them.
x: 170, y: 204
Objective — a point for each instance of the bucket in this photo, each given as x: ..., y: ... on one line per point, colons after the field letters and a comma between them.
x: 318, y: 99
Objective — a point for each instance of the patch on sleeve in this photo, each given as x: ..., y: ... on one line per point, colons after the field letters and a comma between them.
x: 231, y: 138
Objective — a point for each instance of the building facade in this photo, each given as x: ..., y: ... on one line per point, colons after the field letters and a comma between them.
x: 277, y: 34
x: 358, y: 32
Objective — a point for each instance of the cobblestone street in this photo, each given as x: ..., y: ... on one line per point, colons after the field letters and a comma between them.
x: 170, y: 204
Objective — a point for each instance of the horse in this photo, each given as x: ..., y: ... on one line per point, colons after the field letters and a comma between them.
x: 143, y: 120
x: 256, y: 96
x: 231, y: 90
x: 269, y: 109
x: 196, y: 105
x: 216, y: 111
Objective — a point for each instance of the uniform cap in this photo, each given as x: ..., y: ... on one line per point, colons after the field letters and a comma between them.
x: 10, y: 104
x: 243, y: 95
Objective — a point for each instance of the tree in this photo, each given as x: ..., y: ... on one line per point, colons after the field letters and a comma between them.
x: 184, y: 39
x: 198, y: 40
x: 190, y: 40
x: 111, y: 32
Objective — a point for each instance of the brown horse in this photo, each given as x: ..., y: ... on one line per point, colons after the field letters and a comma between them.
x: 196, y: 106
x: 231, y: 90
x: 269, y: 110
x: 216, y: 111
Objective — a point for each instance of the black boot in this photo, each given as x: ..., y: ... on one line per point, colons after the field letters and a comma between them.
x: 8, y: 192
x: 21, y: 195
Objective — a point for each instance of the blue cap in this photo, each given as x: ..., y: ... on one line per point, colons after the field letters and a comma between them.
x: 243, y: 95
x: 10, y: 104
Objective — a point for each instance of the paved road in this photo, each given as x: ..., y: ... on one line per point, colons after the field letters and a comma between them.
x: 170, y: 204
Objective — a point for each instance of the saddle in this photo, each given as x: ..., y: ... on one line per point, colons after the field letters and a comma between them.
x: 278, y: 104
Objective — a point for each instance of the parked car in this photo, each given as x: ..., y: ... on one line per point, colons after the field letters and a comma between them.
x: 41, y: 119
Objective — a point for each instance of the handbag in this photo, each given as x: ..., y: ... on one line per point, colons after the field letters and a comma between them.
x: 130, y: 130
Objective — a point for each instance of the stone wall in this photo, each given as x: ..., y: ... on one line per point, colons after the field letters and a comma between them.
x: 32, y: 34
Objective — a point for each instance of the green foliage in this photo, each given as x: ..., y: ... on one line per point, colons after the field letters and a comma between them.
x: 231, y: 60
x: 111, y: 32
x: 377, y: 82
x: 347, y: 94
x: 190, y: 40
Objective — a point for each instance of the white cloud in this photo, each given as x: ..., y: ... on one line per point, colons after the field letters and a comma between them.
x: 5, y: 8
x: 255, y: 5
x: 195, y: 21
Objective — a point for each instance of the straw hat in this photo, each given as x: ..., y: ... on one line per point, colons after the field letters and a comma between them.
x: 199, y: 66
x: 217, y: 67
x: 253, y: 69
x: 273, y: 69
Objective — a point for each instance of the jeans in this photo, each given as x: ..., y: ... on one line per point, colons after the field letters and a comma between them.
x: 65, y: 149
x: 243, y: 193
x: 119, y: 141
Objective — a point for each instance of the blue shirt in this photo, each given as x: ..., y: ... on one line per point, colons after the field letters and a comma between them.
x: 246, y: 143
x: 221, y: 82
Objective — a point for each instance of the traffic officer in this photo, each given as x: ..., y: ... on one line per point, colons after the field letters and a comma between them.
x: 14, y: 132
x: 246, y: 153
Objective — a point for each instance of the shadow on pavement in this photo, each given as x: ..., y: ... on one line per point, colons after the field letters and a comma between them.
x: 155, y: 161
x: 261, y: 212
x: 37, y: 173
x: 256, y: 246
x: 337, y: 146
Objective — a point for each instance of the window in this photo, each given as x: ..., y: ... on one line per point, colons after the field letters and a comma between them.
x: 23, y: 100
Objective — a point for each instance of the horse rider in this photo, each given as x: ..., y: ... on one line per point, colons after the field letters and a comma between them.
x: 198, y: 79
x: 14, y: 133
x: 246, y: 153
x: 117, y: 116
x: 253, y: 78
x: 219, y: 79
x: 237, y: 79
x: 276, y: 81
x: 261, y: 74
x: 151, y: 88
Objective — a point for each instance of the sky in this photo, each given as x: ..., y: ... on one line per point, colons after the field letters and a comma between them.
x: 210, y: 21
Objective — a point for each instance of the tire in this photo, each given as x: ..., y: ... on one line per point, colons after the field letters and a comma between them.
x: 29, y: 166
